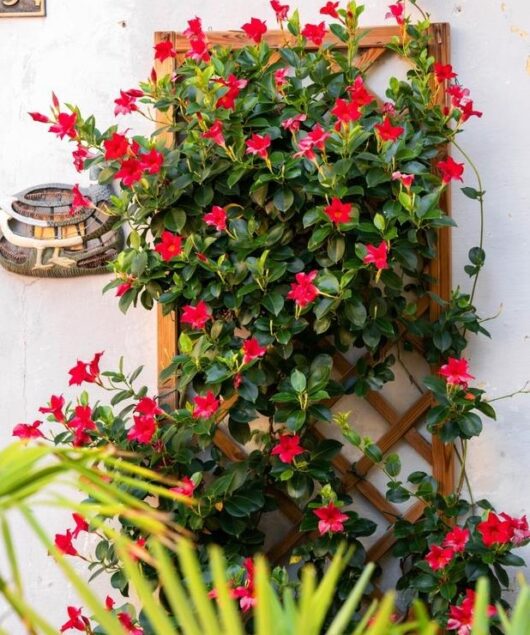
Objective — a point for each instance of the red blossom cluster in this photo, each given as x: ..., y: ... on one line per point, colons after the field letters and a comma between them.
x: 124, y: 618
x: 63, y: 542
x: 246, y: 592
x: 197, y: 41
x: 496, y: 531
x: 234, y: 86
x: 461, y: 615
x: 459, y: 96
x: 134, y: 163
x: 126, y: 102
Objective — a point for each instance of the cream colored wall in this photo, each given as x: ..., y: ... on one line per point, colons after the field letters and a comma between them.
x: 86, y: 50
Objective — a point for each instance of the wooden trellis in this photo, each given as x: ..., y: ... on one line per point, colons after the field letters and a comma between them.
x: 401, y: 427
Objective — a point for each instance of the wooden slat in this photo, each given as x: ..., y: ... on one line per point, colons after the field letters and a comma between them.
x: 376, y: 37
x: 388, y: 540
x: 443, y: 454
x: 167, y: 325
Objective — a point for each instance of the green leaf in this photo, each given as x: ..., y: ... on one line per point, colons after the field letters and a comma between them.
x: 243, y: 503
x: 393, y: 464
x: 375, y: 176
x: 477, y: 256
x: 472, y: 193
x: 339, y: 31
x: 442, y: 341
x: 298, y: 381
x: 336, y: 248
x: 327, y: 283
x: 274, y: 302
x: 318, y: 237
x: 283, y: 199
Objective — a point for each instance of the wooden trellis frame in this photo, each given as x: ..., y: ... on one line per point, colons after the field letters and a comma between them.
x: 400, y: 427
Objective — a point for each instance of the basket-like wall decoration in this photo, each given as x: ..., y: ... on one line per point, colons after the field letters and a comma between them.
x: 397, y: 411
x: 41, y: 235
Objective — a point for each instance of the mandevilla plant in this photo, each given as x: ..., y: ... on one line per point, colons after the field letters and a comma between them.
x: 295, y: 217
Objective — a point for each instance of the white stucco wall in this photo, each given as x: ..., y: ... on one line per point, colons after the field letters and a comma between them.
x: 86, y: 50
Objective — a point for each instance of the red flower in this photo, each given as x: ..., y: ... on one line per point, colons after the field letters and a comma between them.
x: 330, y: 8
x: 130, y: 172
x: 397, y: 11
x: 288, y: 447
x: 28, y: 430
x: 461, y: 615
x: 456, y: 539
x: 303, y: 291
x: 37, y: 116
x: 258, y: 144
x: 405, y: 179
x: 63, y: 542
x: 331, y: 519
x: 76, y: 622
x: 79, y: 201
x: 466, y: 108
x: 519, y: 527
x: 149, y: 407
x: 55, y: 408
x: 455, y: 372
x: 345, y: 111
x: 387, y: 132
x: 164, y: 50
x: 293, y: 123
x: 495, y: 531
x: 122, y: 289
x: 439, y: 557
x: 126, y: 102
x: 281, y: 10
x: 205, y: 406
x: 338, y: 212
x: 143, y: 430
x: 126, y: 621
x: 199, y: 51
x: 197, y: 315
x: 255, y: 29
x: 280, y: 77
x: 81, y: 423
x: 252, y: 350
x: 194, y: 30
x: 215, y: 133
x: 314, y: 139
x: 152, y: 161
x: 65, y: 125
x: 137, y: 550
x: 116, y: 147
x: 388, y: 108
x: 186, y: 487
x: 358, y: 93
x: 216, y: 218
x: 443, y: 72
x: 79, y: 156
x: 84, y: 371
x: 315, y: 32
x: 80, y: 525
x: 377, y: 256
x: 169, y: 246
x: 235, y: 86
x: 450, y: 170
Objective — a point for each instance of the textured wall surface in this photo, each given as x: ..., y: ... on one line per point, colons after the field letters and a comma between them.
x: 86, y: 50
